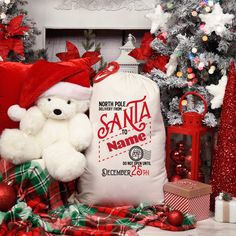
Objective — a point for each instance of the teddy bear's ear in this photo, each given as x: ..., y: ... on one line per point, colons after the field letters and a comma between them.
x: 82, y: 106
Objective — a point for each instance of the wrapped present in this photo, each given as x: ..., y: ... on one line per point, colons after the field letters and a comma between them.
x: 225, y: 209
x: 189, y: 196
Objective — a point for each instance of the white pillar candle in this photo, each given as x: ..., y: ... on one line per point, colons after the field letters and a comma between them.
x: 225, y: 211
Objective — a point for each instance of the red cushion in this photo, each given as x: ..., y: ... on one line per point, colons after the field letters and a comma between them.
x: 12, y: 75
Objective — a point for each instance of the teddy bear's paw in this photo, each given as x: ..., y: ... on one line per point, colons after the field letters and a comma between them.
x: 33, y: 121
x: 17, y: 147
x: 72, y: 169
x: 63, y: 162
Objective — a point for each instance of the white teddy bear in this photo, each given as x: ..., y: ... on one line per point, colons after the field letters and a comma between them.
x: 55, y: 128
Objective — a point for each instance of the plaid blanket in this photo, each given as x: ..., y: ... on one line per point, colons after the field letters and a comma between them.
x: 43, y: 209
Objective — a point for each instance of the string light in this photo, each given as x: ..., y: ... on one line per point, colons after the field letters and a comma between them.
x: 194, y: 50
x: 184, y: 103
x: 190, y: 70
x: 201, y: 64
x: 211, y: 3
x: 211, y: 71
x: 194, y: 13
x: 207, y: 9
x: 179, y: 74
x: 3, y: 15
x: 204, y: 38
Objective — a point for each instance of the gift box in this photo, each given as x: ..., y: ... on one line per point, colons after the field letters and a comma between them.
x: 225, y: 211
x: 189, y: 196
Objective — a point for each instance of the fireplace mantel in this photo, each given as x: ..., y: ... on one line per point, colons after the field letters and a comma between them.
x: 48, y: 15
x: 108, y: 5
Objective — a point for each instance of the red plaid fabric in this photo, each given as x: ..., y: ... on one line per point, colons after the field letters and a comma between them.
x: 52, y: 215
x: 54, y: 194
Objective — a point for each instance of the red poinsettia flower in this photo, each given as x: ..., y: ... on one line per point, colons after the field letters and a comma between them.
x: 145, y: 52
x: 73, y: 53
x: 13, y: 28
x: 10, y: 37
x: 158, y: 62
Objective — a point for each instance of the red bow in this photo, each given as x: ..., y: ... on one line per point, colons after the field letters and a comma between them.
x: 73, y: 53
x: 152, y: 58
x: 9, y: 37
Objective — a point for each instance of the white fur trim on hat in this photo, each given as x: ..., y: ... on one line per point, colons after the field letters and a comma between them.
x: 16, y: 113
x: 69, y: 90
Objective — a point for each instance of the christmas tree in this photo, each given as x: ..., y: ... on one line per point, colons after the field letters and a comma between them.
x: 199, y: 38
x: 224, y: 163
x: 17, y: 33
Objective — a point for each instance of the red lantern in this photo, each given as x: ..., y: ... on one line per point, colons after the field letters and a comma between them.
x: 194, y: 135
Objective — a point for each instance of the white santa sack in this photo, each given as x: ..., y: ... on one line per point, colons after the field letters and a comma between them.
x: 126, y: 160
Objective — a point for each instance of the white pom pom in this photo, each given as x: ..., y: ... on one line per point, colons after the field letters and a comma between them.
x: 16, y: 112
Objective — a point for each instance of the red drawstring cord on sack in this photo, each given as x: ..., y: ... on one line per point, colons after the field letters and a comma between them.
x: 112, y: 68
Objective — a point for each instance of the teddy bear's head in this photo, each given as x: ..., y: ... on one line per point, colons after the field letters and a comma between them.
x: 60, y: 91
x: 61, y: 108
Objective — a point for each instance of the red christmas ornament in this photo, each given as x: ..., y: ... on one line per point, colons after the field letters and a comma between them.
x: 7, y: 197
x: 177, y: 156
x: 189, y: 175
x: 180, y: 146
x: 175, y: 178
x: 224, y: 163
x: 181, y: 170
x: 188, y: 161
x: 175, y: 218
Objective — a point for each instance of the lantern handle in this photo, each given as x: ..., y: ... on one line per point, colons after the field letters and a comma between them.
x: 111, y: 68
x: 196, y: 94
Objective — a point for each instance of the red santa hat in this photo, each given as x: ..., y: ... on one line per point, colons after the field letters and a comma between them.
x: 65, y: 79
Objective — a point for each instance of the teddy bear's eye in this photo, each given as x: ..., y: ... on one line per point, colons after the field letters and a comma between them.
x: 69, y: 102
x: 49, y: 99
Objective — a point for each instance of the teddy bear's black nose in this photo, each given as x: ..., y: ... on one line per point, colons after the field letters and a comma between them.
x: 57, y: 112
